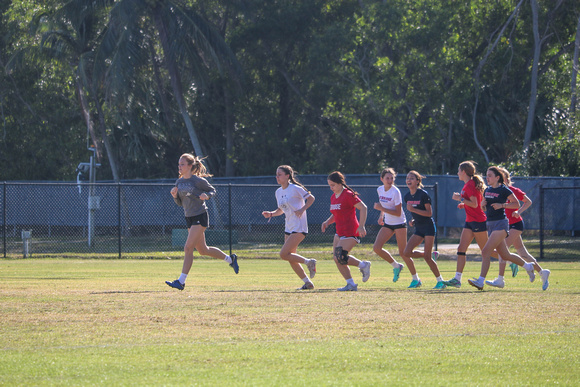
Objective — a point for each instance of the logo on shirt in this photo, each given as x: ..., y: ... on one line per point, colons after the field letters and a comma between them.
x: 334, y: 207
x: 414, y: 203
x: 491, y: 195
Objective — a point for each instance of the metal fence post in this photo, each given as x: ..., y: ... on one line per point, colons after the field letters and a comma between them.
x: 230, y: 214
x: 4, y: 216
x: 541, y: 221
x: 436, y: 205
x: 119, y: 217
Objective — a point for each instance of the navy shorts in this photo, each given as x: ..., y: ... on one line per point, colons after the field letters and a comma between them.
x: 423, y: 230
x: 395, y: 226
x: 517, y: 226
x: 198, y: 220
x: 495, y: 225
x: 476, y: 226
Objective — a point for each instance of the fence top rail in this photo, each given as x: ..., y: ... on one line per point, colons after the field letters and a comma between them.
x: 558, y: 188
x: 69, y: 184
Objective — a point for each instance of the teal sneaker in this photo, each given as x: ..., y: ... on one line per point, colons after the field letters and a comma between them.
x: 397, y: 272
x: 515, y: 268
x: 234, y: 263
x: 435, y: 255
x: 453, y: 282
x: 415, y: 284
x: 544, y: 274
x: 440, y: 285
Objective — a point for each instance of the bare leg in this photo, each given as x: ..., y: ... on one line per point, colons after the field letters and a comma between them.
x: 429, y: 240
x: 346, y: 244
x: 383, y: 237
x: 288, y: 253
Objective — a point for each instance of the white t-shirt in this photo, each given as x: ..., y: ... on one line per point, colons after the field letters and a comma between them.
x: 289, y: 200
x: 390, y: 200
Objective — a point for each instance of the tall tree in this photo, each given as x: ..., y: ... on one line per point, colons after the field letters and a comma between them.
x: 186, y: 40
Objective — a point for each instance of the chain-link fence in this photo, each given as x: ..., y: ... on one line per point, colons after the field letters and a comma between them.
x: 559, y: 222
x: 142, y: 220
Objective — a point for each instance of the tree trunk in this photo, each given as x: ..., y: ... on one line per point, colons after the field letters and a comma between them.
x: 478, y: 72
x: 534, y: 77
x: 229, y: 111
x: 176, y: 84
x: 575, y: 71
x: 87, y: 117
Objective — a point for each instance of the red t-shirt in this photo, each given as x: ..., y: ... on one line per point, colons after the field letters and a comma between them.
x: 345, y: 213
x: 473, y: 214
x: 519, y: 194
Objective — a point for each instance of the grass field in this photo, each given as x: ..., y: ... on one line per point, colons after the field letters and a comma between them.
x: 115, y: 322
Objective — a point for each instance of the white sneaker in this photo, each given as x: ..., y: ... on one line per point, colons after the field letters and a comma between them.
x: 348, y: 288
x: 544, y: 274
x: 497, y: 283
x: 365, y: 271
x: 530, y: 269
x: 311, y: 265
x: 475, y: 283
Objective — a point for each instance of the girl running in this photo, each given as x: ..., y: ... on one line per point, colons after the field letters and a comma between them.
x: 516, y: 228
x: 498, y: 197
x: 419, y: 205
x: 392, y: 219
x: 190, y: 192
x: 470, y: 199
x: 293, y: 201
x: 343, y: 205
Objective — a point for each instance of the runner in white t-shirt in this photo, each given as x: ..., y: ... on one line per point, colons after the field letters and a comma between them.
x: 293, y: 200
x: 392, y: 218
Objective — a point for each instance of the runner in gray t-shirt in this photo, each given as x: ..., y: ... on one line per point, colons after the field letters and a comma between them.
x: 190, y: 192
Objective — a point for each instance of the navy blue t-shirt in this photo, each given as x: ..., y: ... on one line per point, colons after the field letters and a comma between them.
x: 496, y: 195
x: 418, y: 201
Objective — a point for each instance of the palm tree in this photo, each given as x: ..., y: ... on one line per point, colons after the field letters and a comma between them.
x: 189, y: 44
x: 70, y: 35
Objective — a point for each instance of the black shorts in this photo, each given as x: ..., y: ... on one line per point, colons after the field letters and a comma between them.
x: 395, y: 226
x: 198, y: 220
x: 476, y: 226
x: 423, y: 230
x: 295, y: 232
x: 517, y: 226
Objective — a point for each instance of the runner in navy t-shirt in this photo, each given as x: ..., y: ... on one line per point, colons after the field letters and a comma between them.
x: 419, y: 205
x: 498, y: 197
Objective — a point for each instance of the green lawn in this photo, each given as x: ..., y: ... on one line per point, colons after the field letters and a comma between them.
x: 115, y: 322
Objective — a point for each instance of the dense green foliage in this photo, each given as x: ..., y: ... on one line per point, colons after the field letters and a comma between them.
x: 317, y: 84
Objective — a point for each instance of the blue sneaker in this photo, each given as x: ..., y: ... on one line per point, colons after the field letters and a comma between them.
x: 453, y: 282
x: 234, y: 263
x: 415, y: 284
x: 397, y: 272
x: 515, y: 268
x: 176, y: 284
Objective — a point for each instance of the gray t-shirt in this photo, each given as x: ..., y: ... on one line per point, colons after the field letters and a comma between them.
x: 188, y: 192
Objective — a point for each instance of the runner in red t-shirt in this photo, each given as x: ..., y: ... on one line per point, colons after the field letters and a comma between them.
x: 344, y: 202
x: 475, y: 219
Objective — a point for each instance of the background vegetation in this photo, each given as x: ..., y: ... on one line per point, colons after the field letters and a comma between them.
x: 320, y: 85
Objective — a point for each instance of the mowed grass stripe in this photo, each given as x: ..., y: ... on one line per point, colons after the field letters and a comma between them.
x: 89, y: 322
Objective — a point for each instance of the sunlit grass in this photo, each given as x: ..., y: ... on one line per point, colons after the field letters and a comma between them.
x: 115, y: 322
